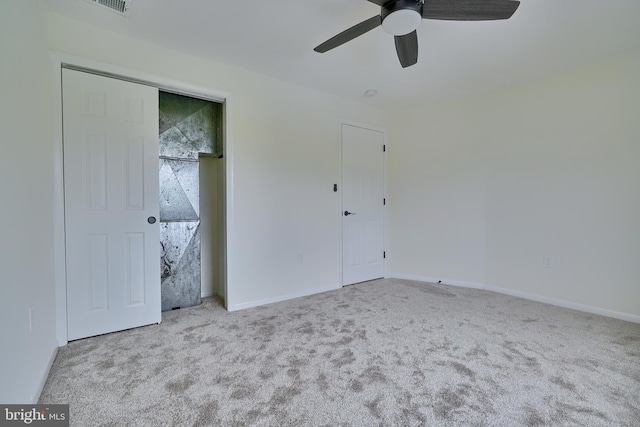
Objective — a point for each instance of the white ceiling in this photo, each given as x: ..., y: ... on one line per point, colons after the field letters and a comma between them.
x: 456, y: 59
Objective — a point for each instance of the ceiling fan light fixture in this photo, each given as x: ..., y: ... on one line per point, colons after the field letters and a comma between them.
x: 401, y: 22
x: 401, y: 18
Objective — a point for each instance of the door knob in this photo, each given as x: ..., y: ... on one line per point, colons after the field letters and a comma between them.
x: 151, y: 220
x: 347, y: 213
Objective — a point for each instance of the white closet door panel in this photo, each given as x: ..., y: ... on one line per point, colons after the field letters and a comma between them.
x: 111, y: 189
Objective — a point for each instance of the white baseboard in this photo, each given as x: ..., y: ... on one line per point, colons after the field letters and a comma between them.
x: 285, y: 297
x: 460, y: 283
x: 566, y: 304
x: 525, y: 295
x: 45, y: 375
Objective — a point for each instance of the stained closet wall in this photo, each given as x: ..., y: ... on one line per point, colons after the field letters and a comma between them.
x: 189, y: 127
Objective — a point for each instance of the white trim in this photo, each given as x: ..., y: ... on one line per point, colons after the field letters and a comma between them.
x: 362, y: 125
x: 340, y: 203
x: 385, y: 195
x: 163, y: 83
x: 45, y: 376
x: 228, y: 200
x: 59, y: 248
x: 142, y: 77
x: 385, y: 174
x: 525, y: 295
x: 280, y: 298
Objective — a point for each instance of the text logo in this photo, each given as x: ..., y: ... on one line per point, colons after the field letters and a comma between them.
x: 34, y: 415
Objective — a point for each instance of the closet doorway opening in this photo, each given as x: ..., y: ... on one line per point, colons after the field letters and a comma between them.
x: 192, y: 201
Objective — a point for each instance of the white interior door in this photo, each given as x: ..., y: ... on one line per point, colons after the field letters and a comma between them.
x: 111, y: 182
x: 362, y: 204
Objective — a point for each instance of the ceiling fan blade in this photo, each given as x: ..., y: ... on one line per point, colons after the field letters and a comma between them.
x: 469, y: 10
x: 407, y: 48
x: 350, y: 34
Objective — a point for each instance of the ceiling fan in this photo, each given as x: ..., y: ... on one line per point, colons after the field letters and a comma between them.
x: 401, y: 18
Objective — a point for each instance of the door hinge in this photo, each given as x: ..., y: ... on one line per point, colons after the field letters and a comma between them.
x: 384, y: 254
x: 384, y: 202
x: 384, y: 148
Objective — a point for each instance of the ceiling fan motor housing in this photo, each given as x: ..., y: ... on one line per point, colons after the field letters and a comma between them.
x: 401, y: 17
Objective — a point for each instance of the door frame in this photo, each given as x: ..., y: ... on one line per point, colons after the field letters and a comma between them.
x: 60, y: 60
x: 385, y: 237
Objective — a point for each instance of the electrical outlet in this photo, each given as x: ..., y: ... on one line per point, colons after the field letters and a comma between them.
x: 300, y: 257
x: 547, y: 262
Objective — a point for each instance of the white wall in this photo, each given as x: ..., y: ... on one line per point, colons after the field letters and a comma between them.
x: 483, y: 189
x: 26, y: 216
x: 437, y: 196
x: 285, y: 162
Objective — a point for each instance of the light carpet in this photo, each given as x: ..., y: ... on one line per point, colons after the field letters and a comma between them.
x: 382, y: 353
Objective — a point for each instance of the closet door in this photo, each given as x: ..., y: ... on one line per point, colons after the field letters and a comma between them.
x: 110, y: 131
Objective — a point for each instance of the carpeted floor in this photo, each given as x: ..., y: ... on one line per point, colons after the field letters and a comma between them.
x: 382, y: 353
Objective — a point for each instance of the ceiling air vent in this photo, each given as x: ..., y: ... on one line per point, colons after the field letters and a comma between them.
x: 118, y: 6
